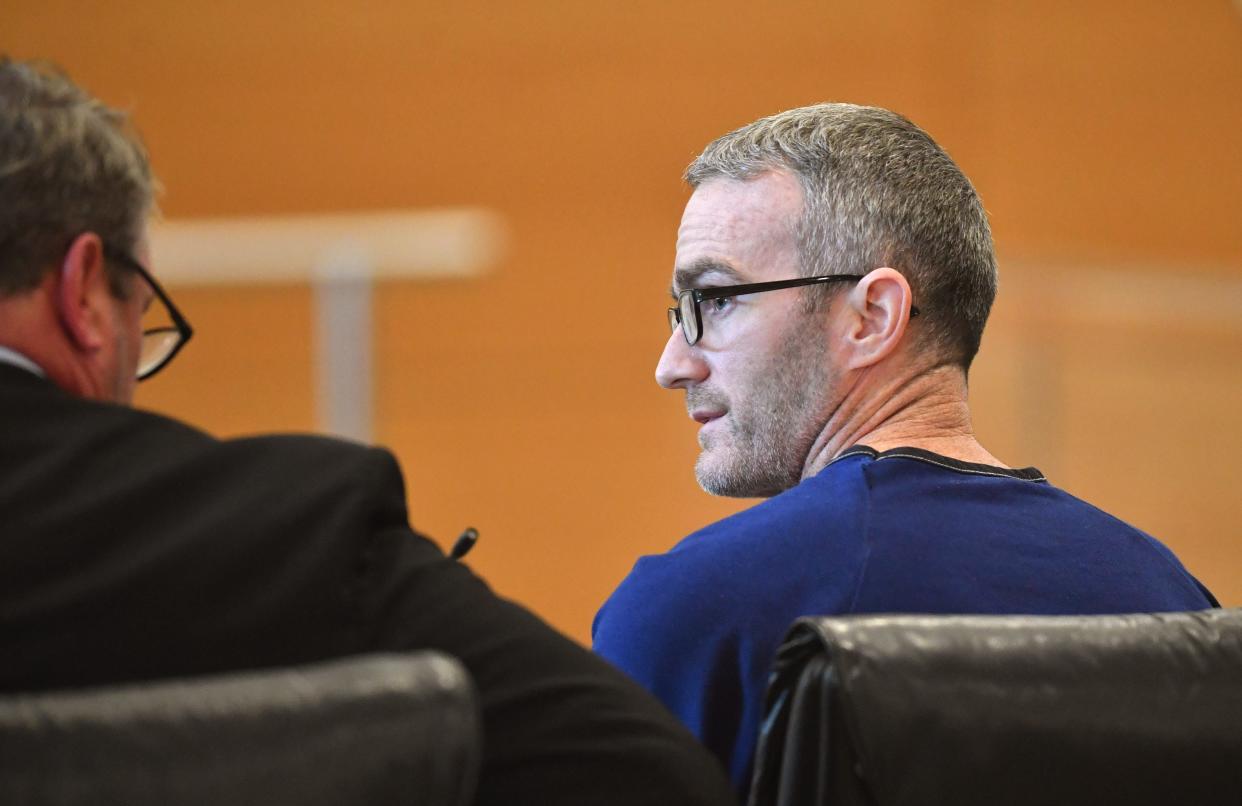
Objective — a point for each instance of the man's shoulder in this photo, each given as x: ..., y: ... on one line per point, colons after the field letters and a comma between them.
x: 156, y: 457
x: 808, y: 541
x: 295, y: 453
x: 274, y: 455
x: 699, y: 624
x: 37, y: 407
x: 828, y: 506
x: 1132, y: 553
x: 314, y: 452
x: 297, y: 478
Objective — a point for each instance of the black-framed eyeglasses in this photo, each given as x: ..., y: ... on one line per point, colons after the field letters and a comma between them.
x: 688, y: 314
x: 159, y: 342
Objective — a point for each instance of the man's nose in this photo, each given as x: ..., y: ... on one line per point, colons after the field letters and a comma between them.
x: 680, y: 364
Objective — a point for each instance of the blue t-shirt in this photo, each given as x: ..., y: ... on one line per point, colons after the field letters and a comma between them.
x: 904, y: 531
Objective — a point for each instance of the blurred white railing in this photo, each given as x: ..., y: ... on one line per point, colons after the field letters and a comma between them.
x: 340, y: 255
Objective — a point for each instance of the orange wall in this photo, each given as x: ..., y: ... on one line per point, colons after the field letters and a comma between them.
x: 1103, y: 137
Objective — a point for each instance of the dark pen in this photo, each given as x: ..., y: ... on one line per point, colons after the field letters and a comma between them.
x: 464, y: 543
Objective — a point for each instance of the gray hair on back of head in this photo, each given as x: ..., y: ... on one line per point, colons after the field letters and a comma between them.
x: 877, y: 191
x: 68, y: 164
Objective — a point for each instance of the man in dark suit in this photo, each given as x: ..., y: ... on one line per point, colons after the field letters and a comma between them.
x: 134, y: 547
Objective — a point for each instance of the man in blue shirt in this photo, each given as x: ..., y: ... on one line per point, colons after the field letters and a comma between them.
x: 833, y: 276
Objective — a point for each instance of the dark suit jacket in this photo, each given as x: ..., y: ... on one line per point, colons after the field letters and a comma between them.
x: 134, y: 547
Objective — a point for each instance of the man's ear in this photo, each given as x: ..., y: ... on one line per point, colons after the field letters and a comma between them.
x: 83, y: 294
x: 878, y: 313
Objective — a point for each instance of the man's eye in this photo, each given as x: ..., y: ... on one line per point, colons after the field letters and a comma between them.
x: 718, y: 305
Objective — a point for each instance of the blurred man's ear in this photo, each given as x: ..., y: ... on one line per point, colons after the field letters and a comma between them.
x: 83, y: 295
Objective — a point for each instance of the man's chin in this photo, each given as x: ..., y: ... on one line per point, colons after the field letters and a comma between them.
x: 728, y: 480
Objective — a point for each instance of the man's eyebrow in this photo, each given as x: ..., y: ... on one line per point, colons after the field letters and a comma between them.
x: 689, y: 276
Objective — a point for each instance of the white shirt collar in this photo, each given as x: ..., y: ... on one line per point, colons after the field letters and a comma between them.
x: 10, y: 356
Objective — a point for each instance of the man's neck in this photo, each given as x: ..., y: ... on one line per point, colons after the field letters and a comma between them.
x: 927, y: 410
x: 30, y: 327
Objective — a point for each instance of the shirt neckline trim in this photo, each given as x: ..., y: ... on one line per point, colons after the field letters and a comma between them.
x: 956, y: 465
x: 13, y: 358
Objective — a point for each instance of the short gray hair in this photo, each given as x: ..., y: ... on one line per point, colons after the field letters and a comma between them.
x: 68, y: 164
x: 877, y: 191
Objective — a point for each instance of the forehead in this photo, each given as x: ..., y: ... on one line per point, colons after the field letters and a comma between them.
x: 742, y: 230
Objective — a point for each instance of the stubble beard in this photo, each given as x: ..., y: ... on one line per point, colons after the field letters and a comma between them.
x: 772, y: 424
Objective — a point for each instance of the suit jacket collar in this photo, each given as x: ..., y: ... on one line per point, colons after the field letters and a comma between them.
x: 12, y: 376
x: 11, y: 357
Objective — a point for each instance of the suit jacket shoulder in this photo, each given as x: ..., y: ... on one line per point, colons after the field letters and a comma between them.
x: 136, y: 547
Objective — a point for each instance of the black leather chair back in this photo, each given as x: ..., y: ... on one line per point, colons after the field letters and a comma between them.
x: 373, y: 730
x: 1005, y: 711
